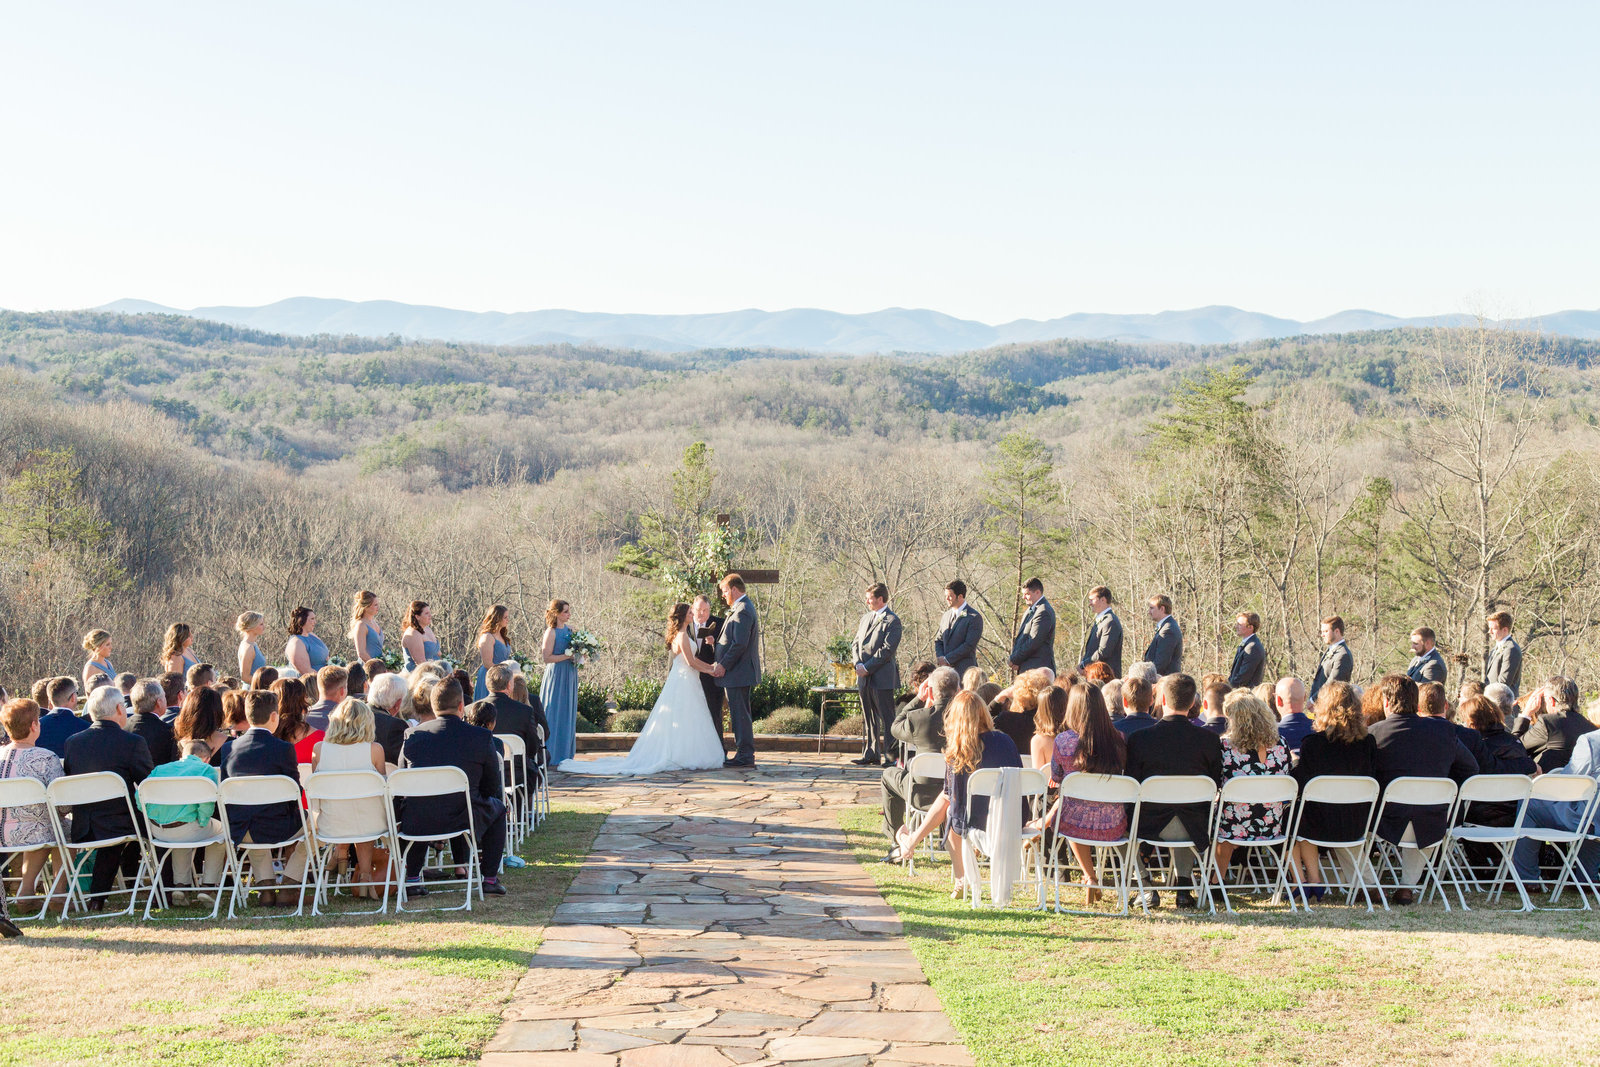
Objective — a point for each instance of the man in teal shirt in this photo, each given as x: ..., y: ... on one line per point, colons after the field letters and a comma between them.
x: 189, y: 822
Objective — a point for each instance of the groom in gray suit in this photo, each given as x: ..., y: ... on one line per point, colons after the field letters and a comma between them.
x: 877, y: 672
x: 739, y: 665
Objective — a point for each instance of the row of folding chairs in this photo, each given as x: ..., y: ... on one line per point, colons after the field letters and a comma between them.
x: 321, y: 790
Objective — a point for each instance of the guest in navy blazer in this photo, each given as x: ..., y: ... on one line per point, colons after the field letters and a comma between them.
x: 62, y: 720
x: 448, y: 740
x: 258, y: 752
x: 106, y: 746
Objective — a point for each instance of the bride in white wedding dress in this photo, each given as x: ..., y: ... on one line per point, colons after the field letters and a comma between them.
x: 679, y: 735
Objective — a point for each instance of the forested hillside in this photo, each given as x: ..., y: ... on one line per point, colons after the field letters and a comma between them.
x: 159, y: 468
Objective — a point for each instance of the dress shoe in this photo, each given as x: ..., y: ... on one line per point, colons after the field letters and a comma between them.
x: 9, y: 929
x: 97, y: 905
x: 1403, y: 896
x: 493, y: 888
x: 745, y: 764
x: 1185, y: 899
x: 415, y: 889
x: 868, y: 759
x: 1150, y: 899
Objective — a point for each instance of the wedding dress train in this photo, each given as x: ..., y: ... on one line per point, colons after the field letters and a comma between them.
x: 678, y: 736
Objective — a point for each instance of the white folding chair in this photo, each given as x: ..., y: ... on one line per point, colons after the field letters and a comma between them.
x: 1175, y: 791
x: 541, y: 784
x: 75, y: 791
x: 1577, y: 789
x: 1255, y: 789
x: 253, y: 791
x: 925, y: 767
x: 422, y: 784
x: 983, y: 783
x: 330, y: 790
x: 28, y: 793
x: 1097, y: 789
x: 1415, y: 792
x: 1455, y: 868
x: 513, y: 767
x: 1346, y: 790
x: 180, y: 792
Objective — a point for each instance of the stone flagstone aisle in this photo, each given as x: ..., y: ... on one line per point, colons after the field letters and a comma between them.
x: 720, y: 920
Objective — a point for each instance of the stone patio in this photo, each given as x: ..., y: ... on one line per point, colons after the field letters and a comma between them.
x: 721, y: 919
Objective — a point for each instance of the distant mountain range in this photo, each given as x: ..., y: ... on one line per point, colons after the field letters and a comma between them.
x: 891, y: 330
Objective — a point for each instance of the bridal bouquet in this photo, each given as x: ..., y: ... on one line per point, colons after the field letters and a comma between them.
x: 582, y: 645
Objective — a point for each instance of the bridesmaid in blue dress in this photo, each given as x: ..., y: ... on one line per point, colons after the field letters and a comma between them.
x: 305, y: 651
x: 558, y: 689
x: 364, y: 632
x: 494, y: 646
x: 418, y: 643
x: 98, y: 644
x: 249, y: 627
x: 175, y: 649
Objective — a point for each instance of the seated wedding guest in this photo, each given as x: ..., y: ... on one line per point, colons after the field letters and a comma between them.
x: 40, y: 693
x: 27, y: 826
x: 1098, y: 674
x: 1497, y: 752
x: 449, y: 741
x: 920, y: 729
x: 988, y: 692
x: 1267, y: 693
x: 200, y: 676
x: 233, y: 712
x: 1137, y: 698
x: 374, y: 667
x: 201, y: 718
x: 1504, y: 698
x: 1146, y: 671
x: 62, y: 720
x: 1372, y: 705
x: 148, y: 701
x: 294, y: 725
x: 386, y: 700
x: 356, y: 681
x: 333, y: 685
x: 1013, y: 715
x: 1174, y: 746
x: 1253, y: 745
x: 1087, y: 742
x: 1111, y: 695
x: 1431, y: 704
x: 291, y: 699
x: 177, y: 648
x: 97, y: 643
x: 190, y: 822
x: 974, y: 679
x: 971, y: 742
x: 259, y: 751
x: 264, y: 678
x: 1212, y: 715
x: 919, y: 674
x: 1289, y: 701
x: 250, y: 626
x: 519, y: 691
x: 1555, y: 726
x: 1049, y: 719
x: 1212, y: 678
x: 514, y: 716
x: 1410, y: 745
x: 305, y: 651
x: 106, y: 746
x: 460, y: 674
x: 422, y: 700
x: 173, y: 691
x: 1340, y: 745
x: 125, y: 683
x: 1550, y: 815
x: 349, y: 745
x: 480, y: 713
x: 313, y: 690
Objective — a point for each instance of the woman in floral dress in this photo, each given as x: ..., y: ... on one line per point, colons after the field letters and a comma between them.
x: 1250, y: 746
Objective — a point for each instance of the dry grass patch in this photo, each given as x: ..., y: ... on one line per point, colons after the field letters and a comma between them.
x: 1415, y: 986
x: 330, y: 990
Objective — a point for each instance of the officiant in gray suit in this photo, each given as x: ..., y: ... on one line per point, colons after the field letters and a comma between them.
x: 877, y: 673
x: 960, y: 631
x: 738, y: 666
x: 1035, y: 644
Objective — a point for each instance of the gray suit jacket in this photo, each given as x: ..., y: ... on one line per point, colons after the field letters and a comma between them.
x: 1505, y: 665
x: 1166, y: 649
x: 1428, y: 667
x: 877, y: 641
x: 739, y: 646
x: 1249, y: 661
x: 1104, y: 643
x: 959, y: 633
x: 1337, y: 665
x: 1035, y: 645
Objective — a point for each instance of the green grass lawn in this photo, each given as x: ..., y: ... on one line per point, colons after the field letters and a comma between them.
x: 413, y: 989
x: 1416, y: 986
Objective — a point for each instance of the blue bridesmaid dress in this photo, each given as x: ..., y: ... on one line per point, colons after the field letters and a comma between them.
x: 480, y: 687
x: 257, y: 663
x: 430, y: 651
x: 374, y: 640
x: 316, y: 651
x: 558, y: 692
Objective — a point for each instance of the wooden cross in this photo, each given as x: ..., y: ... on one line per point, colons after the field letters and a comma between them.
x: 751, y: 575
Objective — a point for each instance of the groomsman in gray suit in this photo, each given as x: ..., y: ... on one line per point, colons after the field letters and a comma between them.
x: 1166, y: 648
x: 1035, y: 644
x: 960, y: 630
x: 1338, y: 664
x: 739, y: 666
x: 1250, y: 658
x: 1104, y: 643
x: 1426, y: 663
x: 877, y: 673
x: 1504, y: 664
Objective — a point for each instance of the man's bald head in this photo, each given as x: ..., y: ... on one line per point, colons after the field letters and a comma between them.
x: 1290, y: 696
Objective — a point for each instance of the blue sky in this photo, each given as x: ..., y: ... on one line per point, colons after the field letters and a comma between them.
x: 1030, y: 161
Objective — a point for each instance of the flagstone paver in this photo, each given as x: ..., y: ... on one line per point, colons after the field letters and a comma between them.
x: 721, y: 920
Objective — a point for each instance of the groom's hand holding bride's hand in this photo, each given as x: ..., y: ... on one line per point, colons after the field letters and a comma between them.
x: 717, y: 671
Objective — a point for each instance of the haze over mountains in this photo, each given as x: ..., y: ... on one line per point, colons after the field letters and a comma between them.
x: 890, y: 330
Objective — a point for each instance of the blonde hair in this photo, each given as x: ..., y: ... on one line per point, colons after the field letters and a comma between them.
x: 94, y: 639
x: 247, y: 622
x: 358, y: 609
x: 974, y: 678
x: 966, y: 720
x: 1251, y: 724
x: 350, y: 724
